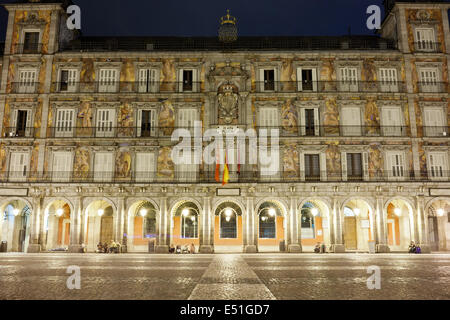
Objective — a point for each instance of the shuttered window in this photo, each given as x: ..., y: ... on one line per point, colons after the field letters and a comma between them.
x: 145, y: 167
x: 103, y: 167
x: 27, y: 81
x: 108, y: 80
x: 18, y: 166
x: 65, y: 122
x: 309, y: 122
x: 269, y: 118
x: 437, y: 165
x: 396, y: 165
x: 62, y: 166
x: 69, y: 80
x: 105, y: 123
x: 349, y: 79
x: 312, y: 167
x: 392, y: 123
x: 388, y: 80
x: 22, y: 124
x: 146, y: 123
x: 434, y: 122
x: 186, y: 118
x: 425, y: 39
x: 351, y: 121
x: 429, y: 80
x: 148, y: 80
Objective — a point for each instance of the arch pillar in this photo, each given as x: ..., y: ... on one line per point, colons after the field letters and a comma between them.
x: 122, y: 222
x: 75, y: 227
x: 34, y: 245
x: 338, y: 246
x: 422, y: 226
x: 380, y: 225
x: 165, y: 228
x: 294, y: 241
x: 207, y: 228
x: 251, y: 228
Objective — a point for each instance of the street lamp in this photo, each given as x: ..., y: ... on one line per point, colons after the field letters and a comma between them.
x: 315, y: 212
x: 59, y: 212
x: 143, y: 212
x: 185, y: 212
x: 357, y: 211
x: 16, y: 212
x: 272, y: 212
x: 101, y: 212
x: 398, y: 212
x: 440, y: 212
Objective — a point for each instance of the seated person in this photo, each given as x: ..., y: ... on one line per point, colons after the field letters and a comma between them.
x: 178, y: 249
x: 412, y: 247
x: 317, y: 247
x: 172, y: 249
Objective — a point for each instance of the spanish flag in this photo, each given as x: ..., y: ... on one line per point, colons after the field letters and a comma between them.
x: 217, y: 175
x: 226, y: 172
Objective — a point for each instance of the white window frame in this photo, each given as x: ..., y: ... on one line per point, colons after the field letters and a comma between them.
x: 102, y: 131
x: 57, y: 174
x: 316, y: 120
x: 321, y: 151
x: 429, y: 39
x: 364, y: 159
x: 22, y: 175
x: 269, y: 122
x: 65, y: 128
x: 149, y: 175
x: 262, y: 80
x: 400, y: 155
x: 145, y: 86
x: 352, y: 130
x: 109, y: 84
x: 388, y: 79
x: 30, y: 30
x: 29, y: 122
x: 429, y: 84
x: 154, y: 121
x: 314, y: 78
x: 72, y: 82
x: 103, y: 176
x: 431, y: 130
x: 444, y: 165
x: 347, y: 82
x: 195, y: 79
x: 387, y: 129
x: 27, y: 84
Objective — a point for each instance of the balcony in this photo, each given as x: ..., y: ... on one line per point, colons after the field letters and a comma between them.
x: 125, y: 87
x: 16, y: 133
x: 27, y: 48
x: 336, y: 131
x: 330, y: 86
x: 24, y: 87
x: 427, y: 46
x: 432, y: 87
x: 437, y: 132
x: 208, y: 177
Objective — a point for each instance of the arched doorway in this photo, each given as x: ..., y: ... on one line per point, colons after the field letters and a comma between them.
x: 99, y: 224
x: 142, y: 226
x: 357, y: 225
x: 399, y: 225
x: 271, y: 228
x: 186, y: 228
x: 57, y: 226
x: 15, y: 229
x: 438, y: 215
x: 313, y: 224
x: 228, y: 236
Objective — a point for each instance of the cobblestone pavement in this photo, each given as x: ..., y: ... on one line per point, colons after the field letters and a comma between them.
x: 242, y: 277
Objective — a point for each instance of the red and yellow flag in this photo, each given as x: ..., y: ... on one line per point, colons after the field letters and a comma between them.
x: 226, y: 172
x: 217, y: 173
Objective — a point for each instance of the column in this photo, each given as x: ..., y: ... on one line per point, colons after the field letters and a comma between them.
x: 34, y: 246
x: 165, y: 229
x: 338, y: 246
x: 120, y: 221
x: 380, y: 222
x: 422, y: 226
x: 251, y: 228
x: 75, y: 230
x: 294, y: 243
x: 207, y: 235
x: 83, y: 221
x: 125, y: 231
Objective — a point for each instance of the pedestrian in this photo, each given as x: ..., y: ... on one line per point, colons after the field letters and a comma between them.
x: 192, y: 248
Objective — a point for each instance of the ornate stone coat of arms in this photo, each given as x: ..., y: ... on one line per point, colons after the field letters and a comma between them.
x: 228, y: 105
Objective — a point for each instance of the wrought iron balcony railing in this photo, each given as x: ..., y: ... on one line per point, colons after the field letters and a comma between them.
x: 433, y: 87
x: 196, y: 177
x: 19, y: 132
x: 126, y: 87
x: 27, y: 48
x: 330, y: 86
x: 438, y: 132
x: 24, y: 87
x: 427, y: 46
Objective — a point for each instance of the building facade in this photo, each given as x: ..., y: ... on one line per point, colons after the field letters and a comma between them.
x: 87, y: 130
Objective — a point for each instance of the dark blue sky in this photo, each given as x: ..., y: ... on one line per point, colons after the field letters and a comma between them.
x: 201, y: 17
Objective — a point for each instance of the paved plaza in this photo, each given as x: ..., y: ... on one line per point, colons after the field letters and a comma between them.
x: 230, y: 276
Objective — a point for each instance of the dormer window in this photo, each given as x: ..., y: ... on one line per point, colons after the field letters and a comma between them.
x: 425, y: 39
x: 31, y: 42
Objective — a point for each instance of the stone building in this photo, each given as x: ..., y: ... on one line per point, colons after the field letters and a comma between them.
x: 86, y: 137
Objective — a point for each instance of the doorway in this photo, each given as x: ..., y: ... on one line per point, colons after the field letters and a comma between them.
x: 433, y: 235
x: 350, y: 239
x: 106, y: 229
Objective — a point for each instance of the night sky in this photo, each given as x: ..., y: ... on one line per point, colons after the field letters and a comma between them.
x: 201, y: 17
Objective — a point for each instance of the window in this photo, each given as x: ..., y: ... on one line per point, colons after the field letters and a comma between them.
x: 27, y: 81
x: 267, y: 79
x: 269, y: 118
x: 228, y: 224
x: 65, y: 122
x: 62, y: 166
x: 188, y: 80
x: 148, y: 80
x: 18, y: 166
x: 429, y: 80
x: 149, y: 227
x: 349, y: 79
x: 425, y: 39
x: 145, y: 167
x: 307, y: 224
x: 310, y: 122
x: 186, y: 118
x: 22, y: 126
x: 267, y: 226
x: 312, y: 167
x: 435, y: 119
x: 437, y: 165
x: 146, y: 123
x: 388, y: 79
x: 31, y: 42
x: 355, y: 166
x: 351, y: 121
x: 105, y: 123
x: 396, y: 165
x: 392, y: 121
x: 68, y: 80
x: 307, y: 79
x: 103, y: 167
x: 189, y: 227
x: 108, y: 80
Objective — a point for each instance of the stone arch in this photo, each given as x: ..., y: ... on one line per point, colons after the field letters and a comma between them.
x: 228, y: 199
x: 326, y: 203
x: 430, y: 203
x: 179, y: 202
x: 280, y: 203
x: 409, y: 203
x: 89, y: 201
x: 49, y: 201
x: 132, y: 201
x: 368, y: 202
x: 5, y: 201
